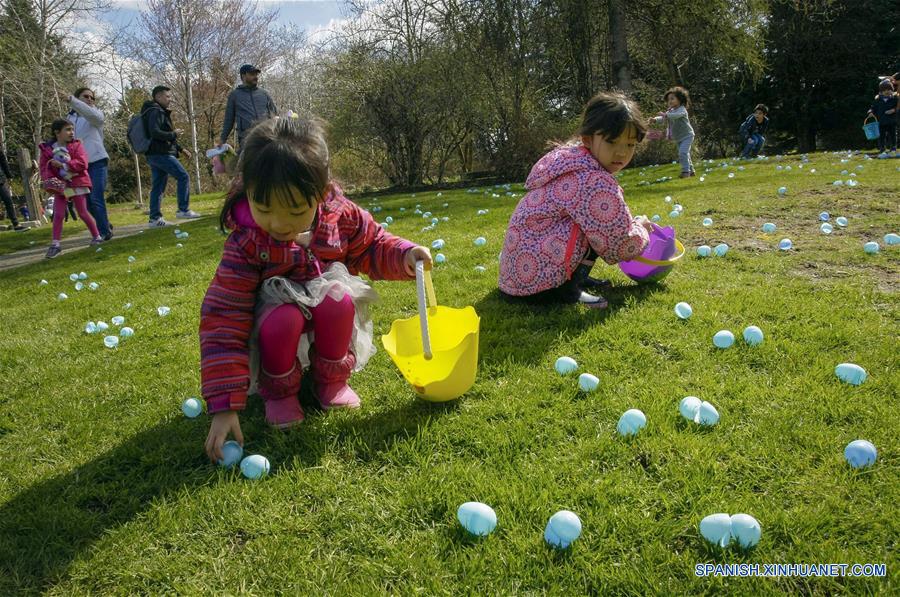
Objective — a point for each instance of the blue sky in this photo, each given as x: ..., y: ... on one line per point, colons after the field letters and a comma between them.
x: 309, y: 14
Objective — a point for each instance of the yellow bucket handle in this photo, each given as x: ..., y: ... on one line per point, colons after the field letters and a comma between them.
x: 423, y: 284
x: 670, y: 261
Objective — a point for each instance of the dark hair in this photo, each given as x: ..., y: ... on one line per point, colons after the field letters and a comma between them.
x: 885, y: 84
x: 81, y: 90
x: 762, y: 108
x: 684, y: 98
x: 281, y: 153
x: 159, y: 89
x: 56, y: 126
x: 609, y: 114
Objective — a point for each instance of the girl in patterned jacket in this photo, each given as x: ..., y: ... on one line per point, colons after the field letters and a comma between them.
x: 574, y: 211
x: 286, y: 292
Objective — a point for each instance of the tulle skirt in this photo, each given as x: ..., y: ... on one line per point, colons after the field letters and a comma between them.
x: 335, y: 282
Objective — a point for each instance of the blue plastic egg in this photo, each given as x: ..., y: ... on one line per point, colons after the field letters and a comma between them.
x: 753, y: 335
x: 565, y: 365
x: 588, y: 382
x: 90, y: 328
x: 480, y: 241
x: 826, y: 228
x: 255, y: 466
x: 563, y: 528
x: 716, y: 528
x: 655, y: 218
x: 126, y: 332
x: 631, y: 422
x: 706, y: 414
x: 73, y: 277
x: 389, y: 220
x: 824, y: 216
x: 79, y: 286
x: 118, y: 320
x: 434, y: 220
x: 102, y: 326
x: 707, y: 221
x: 480, y: 269
x: 93, y: 286
x: 163, y: 311
x: 674, y: 213
x: 683, y: 310
x: 768, y: 227
x: 191, y: 407
x: 440, y: 258
x: 438, y: 244
x: 851, y: 373
x: 841, y: 221
x: 723, y: 339
x: 782, y: 191
x: 704, y: 251
x: 892, y: 239
x: 668, y: 199
x: 231, y: 454
x: 477, y: 518
x: 785, y: 244
x: 860, y: 453
x: 688, y: 407
x: 871, y: 247
x: 111, y: 341
x: 720, y: 250
x: 131, y: 259
x: 746, y: 530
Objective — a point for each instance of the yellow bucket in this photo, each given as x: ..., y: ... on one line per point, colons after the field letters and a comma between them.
x: 437, y: 350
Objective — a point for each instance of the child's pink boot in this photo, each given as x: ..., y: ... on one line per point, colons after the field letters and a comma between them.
x: 331, y: 378
x: 279, y: 392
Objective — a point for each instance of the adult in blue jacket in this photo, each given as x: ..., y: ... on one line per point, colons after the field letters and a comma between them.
x: 247, y: 105
x: 752, y: 131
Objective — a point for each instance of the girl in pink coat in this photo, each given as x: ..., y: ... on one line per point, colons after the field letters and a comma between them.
x: 574, y: 211
x: 63, y: 165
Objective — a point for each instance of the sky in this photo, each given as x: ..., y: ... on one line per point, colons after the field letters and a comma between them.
x: 309, y: 14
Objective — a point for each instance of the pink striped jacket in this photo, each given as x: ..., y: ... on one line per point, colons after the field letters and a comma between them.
x: 572, y: 202
x: 344, y: 232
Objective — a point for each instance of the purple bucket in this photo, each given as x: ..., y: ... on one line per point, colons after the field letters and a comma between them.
x: 662, y: 247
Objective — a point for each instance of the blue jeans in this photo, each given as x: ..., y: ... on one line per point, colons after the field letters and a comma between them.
x: 684, y: 153
x: 754, y: 145
x: 97, y: 202
x: 161, y: 167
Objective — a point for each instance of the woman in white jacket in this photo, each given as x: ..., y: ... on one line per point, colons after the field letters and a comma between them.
x: 88, y: 122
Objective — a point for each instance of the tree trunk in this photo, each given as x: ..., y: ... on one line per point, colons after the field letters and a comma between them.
x: 621, y: 63
x: 137, y: 174
x: 192, y: 119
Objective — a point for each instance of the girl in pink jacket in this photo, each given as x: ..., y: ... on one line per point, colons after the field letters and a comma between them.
x: 63, y: 166
x: 286, y: 293
x: 574, y: 211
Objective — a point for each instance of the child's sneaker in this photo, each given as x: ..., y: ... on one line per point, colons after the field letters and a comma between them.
x: 97, y: 241
x: 52, y: 252
x: 331, y: 378
x: 592, y: 301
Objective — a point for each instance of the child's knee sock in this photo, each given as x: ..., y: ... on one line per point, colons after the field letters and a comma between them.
x: 334, y: 327
x: 279, y: 336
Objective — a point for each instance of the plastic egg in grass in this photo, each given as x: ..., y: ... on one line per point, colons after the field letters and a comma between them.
x: 826, y: 228
x: 255, y: 466
x: 163, y: 311
x: 93, y: 286
x: 769, y: 227
x: 111, y: 341
x: 871, y: 247
x: 477, y: 518
x: 683, y: 310
x: 73, y: 277
x: 892, y: 239
x: 440, y: 258
x: 860, y: 453
x: 102, y: 326
x: 565, y: 365
x: 851, y: 373
x: 707, y: 222
x: 126, y: 332
x: 716, y: 528
x: 841, y: 221
x: 79, y: 286
x: 655, y: 218
x: 689, y: 406
x: 674, y: 213
x: 723, y: 339
x: 721, y: 249
x: 704, y: 251
x: 782, y: 191
x: 824, y: 216
x: 785, y: 244
x: 746, y: 530
x: 90, y: 328
x: 480, y: 241
x: 631, y: 421
x: 588, y: 382
x: 438, y: 244
x: 232, y: 452
x: 753, y: 335
x: 118, y: 320
x: 707, y: 414
x: 562, y: 529
x: 191, y: 407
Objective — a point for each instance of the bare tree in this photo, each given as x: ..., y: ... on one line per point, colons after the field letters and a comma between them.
x: 618, y: 36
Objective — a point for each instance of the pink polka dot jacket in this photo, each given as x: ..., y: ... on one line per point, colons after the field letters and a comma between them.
x: 572, y: 203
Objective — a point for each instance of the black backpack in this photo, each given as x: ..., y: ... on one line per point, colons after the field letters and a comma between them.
x: 138, y: 137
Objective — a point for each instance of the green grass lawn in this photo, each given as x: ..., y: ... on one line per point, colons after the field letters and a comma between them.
x: 104, y: 487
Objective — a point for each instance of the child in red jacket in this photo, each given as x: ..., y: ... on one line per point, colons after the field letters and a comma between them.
x: 289, y: 271
x: 64, y: 173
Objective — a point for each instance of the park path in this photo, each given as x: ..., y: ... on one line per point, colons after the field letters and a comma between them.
x: 73, y: 243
